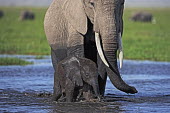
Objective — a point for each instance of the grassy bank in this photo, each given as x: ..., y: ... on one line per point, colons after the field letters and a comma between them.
x: 22, y: 37
x: 147, y: 41
x: 144, y: 41
x: 13, y: 61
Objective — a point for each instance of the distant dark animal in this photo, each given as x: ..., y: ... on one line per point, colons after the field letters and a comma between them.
x: 142, y: 17
x: 1, y: 13
x: 27, y: 15
x: 72, y: 77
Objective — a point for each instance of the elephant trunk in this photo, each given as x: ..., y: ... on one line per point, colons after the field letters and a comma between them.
x: 108, y: 30
x: 110, y: 43
x: 117, y: 81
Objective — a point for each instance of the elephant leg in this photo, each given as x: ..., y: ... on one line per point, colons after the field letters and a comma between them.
x: 75, y: 43
x: 102, y: 84
x: 79, y: 94
x: 88, y: 92
x: 102, y: 78
x: 54, y: 59
x: 57, y: 56
x: 69, y: 89
x: 57, y: 88
x: 56, y: 94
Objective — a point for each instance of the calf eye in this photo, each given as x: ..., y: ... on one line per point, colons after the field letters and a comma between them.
x: 87, y: 75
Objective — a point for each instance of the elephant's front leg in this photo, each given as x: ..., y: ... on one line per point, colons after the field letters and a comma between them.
x: 102, y: 78
x: 75, y: 45
x: 69, y: 89
x: 57, y: 88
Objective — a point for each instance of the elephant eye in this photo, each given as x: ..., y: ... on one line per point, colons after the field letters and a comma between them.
x: 87, y: 75
x: 92, y: 3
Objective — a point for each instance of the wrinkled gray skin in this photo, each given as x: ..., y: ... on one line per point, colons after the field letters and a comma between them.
x: 73, y: 74
x: 70, y: 26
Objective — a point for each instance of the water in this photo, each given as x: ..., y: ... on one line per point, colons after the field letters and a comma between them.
x: 28, y: 89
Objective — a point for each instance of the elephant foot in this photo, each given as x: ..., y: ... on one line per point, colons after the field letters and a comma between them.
x: 62, y: 99
x: 88, y: 95
x: 92, y: 100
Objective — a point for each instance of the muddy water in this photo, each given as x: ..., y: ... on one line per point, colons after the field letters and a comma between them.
x: 28, y: 88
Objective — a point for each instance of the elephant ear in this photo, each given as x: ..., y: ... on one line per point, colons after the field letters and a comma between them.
x: 78, y: 79
x: 75, y: 14
x: 72, y: 69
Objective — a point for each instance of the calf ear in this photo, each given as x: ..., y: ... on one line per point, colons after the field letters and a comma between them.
x: 60, y: 70
x: 75, y: 14
x: 74, y: 76
x: 78, y: 79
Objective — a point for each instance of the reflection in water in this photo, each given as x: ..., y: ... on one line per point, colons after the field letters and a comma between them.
x: 29, y: 88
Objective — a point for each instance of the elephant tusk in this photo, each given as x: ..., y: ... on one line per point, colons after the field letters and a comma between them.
x: 121, y: 58
x: 99, y: 49
x: 120, y: 50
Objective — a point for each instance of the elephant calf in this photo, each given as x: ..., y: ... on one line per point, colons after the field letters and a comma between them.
x: 73, y: 77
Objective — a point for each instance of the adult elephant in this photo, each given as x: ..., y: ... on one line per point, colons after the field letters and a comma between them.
x: 91, y: 29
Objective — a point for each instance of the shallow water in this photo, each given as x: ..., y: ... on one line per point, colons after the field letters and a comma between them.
x: 29, y: 88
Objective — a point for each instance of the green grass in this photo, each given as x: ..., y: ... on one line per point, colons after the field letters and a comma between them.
x: 39, y: 57
x: 23, y: 37
x: 13, y: 61
x: 144, y: 41
x: 147, y: 41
